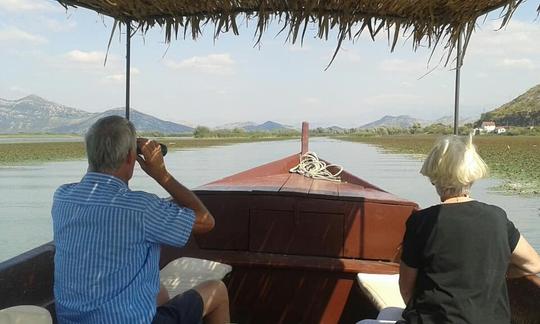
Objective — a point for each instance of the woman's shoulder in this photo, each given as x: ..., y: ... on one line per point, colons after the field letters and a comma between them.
x: 488, y: 208
x: 425, y: 215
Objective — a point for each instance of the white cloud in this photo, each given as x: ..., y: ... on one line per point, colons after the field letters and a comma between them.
x: 403, y: 66
x: 58, y: 26
x: 299, y: 48
x: 393, y: 99
x: 17, y: 89
x: 221, y: 64
x: 26, y: 5
x: 522, y: 63
x: 93, y: 57
x: 310, y: 101
x: 14, y: 34
x: 121, y: 77
x: 517, y: 38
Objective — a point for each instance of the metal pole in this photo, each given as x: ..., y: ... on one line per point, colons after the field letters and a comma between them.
x: 128, y: 65
x: 458, y: 77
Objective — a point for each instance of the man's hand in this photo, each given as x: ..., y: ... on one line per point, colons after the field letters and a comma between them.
x: 152, y: 163
x: 152, y: 160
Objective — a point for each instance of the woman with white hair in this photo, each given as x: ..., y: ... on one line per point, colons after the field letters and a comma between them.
x: 457, y: 254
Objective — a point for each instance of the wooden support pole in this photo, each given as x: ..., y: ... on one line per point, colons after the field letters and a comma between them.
x: 305, y: 138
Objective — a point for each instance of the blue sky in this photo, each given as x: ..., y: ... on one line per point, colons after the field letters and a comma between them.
x: 59, y: 55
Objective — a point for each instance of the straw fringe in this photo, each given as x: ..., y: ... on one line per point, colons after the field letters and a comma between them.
x: 427, y: 22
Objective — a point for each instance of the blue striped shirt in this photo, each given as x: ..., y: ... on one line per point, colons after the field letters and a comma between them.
x: 107, y: 249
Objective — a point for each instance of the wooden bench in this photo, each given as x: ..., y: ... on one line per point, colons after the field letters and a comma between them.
x: 185, y: 273
x: 381, y: 289
x: 25, y: 314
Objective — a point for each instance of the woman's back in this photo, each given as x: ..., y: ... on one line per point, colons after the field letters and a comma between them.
x: 461, y: 251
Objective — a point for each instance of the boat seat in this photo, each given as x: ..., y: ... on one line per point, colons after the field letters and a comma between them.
x: 381, y: 289
x: 388, y: 315
x: 25, y: 314
x: 185, y: 273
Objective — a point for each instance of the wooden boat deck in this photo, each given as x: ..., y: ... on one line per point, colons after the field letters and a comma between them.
x: 275, y: 178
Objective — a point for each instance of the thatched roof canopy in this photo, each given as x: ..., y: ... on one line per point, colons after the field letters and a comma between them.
x: 426, y: 21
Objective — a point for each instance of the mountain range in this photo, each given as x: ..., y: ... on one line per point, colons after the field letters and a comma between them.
x: 33, y: 114
x: 524, y: 110
x: 405, y: 121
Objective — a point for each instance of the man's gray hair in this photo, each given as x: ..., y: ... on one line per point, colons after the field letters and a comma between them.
x: 108, y: 142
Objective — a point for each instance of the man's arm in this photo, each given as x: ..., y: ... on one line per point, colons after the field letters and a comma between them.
x: 152, y: 163
x: 407, y: 281
x: 524, y: 260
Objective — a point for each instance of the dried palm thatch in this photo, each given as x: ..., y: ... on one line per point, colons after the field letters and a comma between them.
x: 427, y: 22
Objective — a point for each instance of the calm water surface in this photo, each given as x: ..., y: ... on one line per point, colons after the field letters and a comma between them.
x: 26, y: 191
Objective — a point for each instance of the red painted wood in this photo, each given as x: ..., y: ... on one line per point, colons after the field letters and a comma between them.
x: 322, y: 205
x: 296, y: 232
x: 382, y: 229
x: 273, y: 168
x: 524, y: 295
x: 231, y: 231
x: 297, y: 183
x: 351, y: 178
x: 271, y: 183
x: 305, y: 138
x: 271, y: 231
x: 352, y: 227
x: 324, y: 187
x: 279, y: 261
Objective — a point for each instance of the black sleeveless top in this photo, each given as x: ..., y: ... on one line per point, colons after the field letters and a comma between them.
x: 462, y: 252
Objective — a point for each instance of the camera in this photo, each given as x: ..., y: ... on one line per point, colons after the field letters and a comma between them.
x: 163, y: 148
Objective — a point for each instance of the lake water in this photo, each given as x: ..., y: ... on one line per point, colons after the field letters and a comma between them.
x: 26, y: 191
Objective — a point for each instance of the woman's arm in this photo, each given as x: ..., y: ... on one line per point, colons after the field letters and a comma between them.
x: 407, y: 281
x: 524, y: 260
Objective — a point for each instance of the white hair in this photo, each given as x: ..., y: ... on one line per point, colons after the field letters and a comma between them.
x: 453, y: 165
x: 108, y: 142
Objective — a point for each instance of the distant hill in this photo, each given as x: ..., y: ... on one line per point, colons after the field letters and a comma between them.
x: 449, y: 120
x: 240, y: 125
x: 33, y: 114
x: 269, y: 126
x: 402, y: 121
x: 522, y: 111
x: 142, y: 122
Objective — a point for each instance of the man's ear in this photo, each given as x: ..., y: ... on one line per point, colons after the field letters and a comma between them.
x: 131, y: 157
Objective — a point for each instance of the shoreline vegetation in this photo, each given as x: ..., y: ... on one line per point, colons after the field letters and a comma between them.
x: 25, y: 153
x: 513, y: 159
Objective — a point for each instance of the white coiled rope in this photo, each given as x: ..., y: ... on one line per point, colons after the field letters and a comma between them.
x: 310, y: 166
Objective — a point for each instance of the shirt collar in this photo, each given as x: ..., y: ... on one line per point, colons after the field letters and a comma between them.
x: 106, y: 179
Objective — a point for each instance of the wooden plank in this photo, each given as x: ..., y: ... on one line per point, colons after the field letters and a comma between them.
x: 324, y: 187
x: 269, y: 183
x: 280, y: 261
x: 273, y: 168
x: 352, y: 229
x: 351, y: 190
x: 297, y: 183
x: 27, y: 279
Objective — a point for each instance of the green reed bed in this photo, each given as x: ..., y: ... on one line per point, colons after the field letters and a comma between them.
x: 515, y: 159
x: 29, y: 153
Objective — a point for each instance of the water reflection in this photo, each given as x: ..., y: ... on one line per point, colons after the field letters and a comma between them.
x: 26, y: 192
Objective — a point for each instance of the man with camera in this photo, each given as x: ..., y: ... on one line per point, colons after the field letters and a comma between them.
x: 108, y: 237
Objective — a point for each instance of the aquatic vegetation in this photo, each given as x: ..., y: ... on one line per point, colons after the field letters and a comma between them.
x: 28, y: 153
x: 516, y: 159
